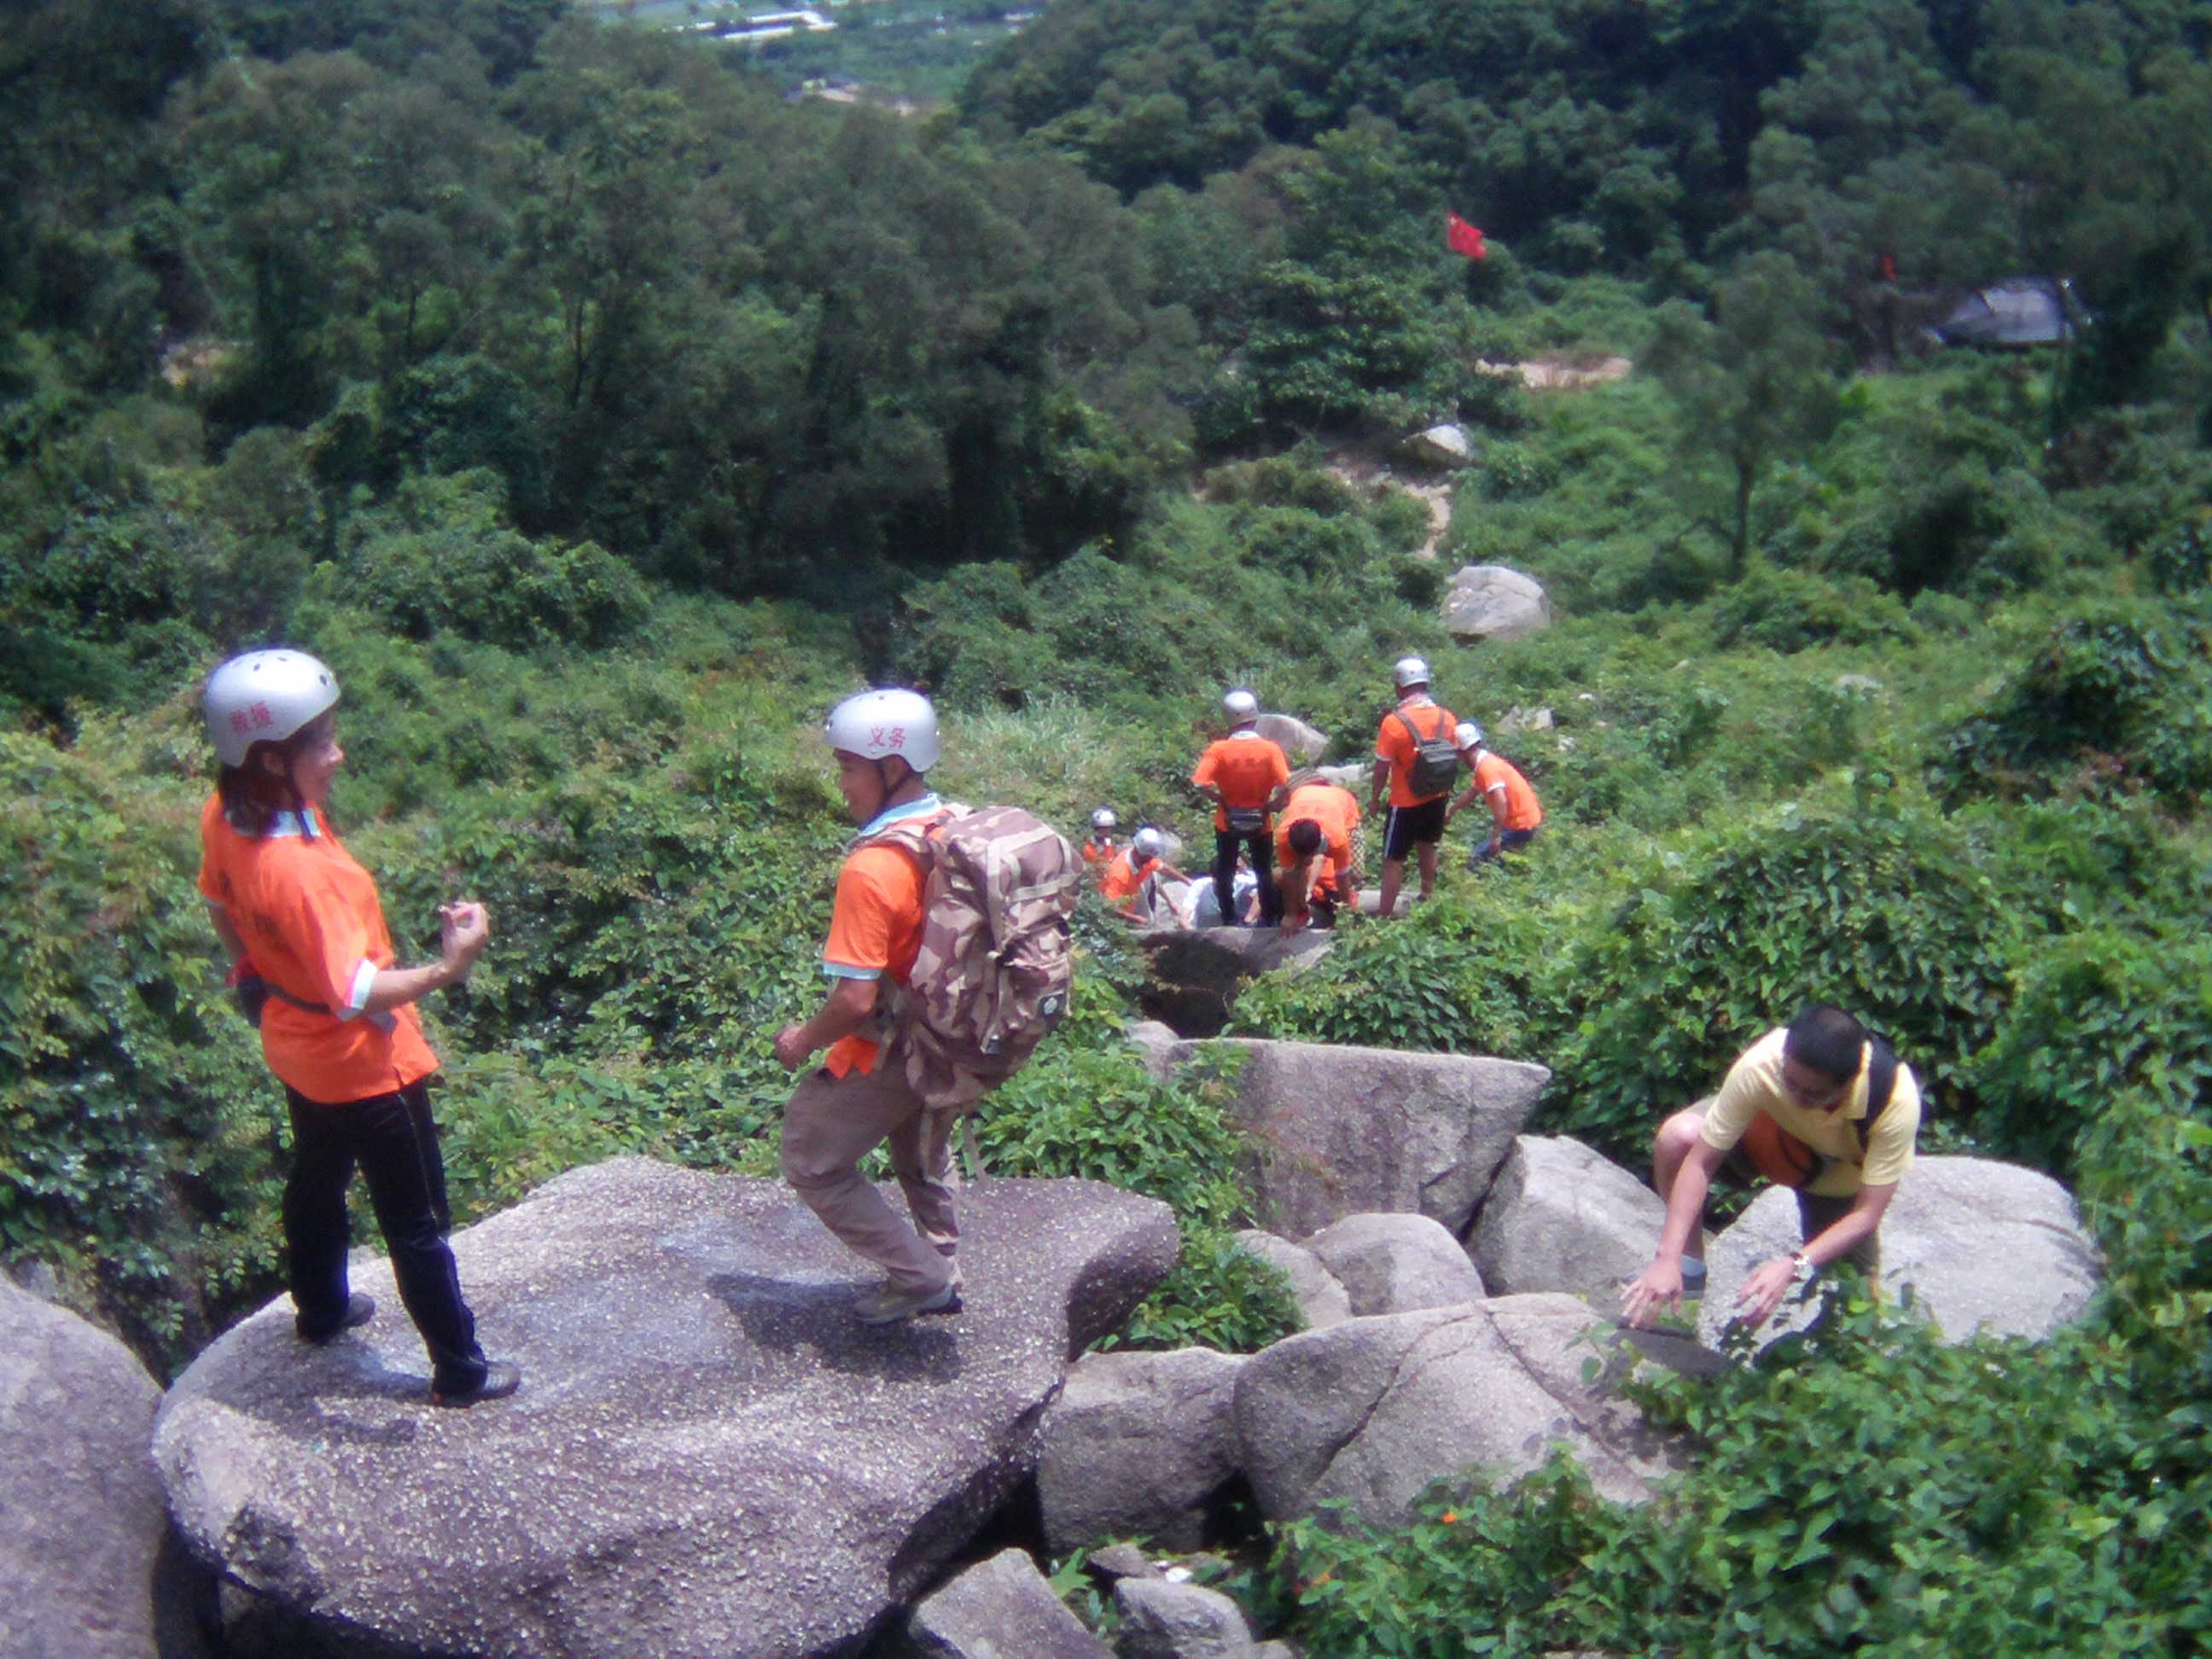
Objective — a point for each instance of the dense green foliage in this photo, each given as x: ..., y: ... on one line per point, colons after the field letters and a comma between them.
x: 601, y: 417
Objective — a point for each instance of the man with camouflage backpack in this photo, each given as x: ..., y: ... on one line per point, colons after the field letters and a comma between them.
x: 948, y: 957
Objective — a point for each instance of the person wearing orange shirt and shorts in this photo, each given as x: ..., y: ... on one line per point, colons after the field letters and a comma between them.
x: 315, y: 967
x: 859, y: 1097
x: 1416, y: 825
x: 1244, y: 775
x: 1515, y: 814
x: 1313, y: 840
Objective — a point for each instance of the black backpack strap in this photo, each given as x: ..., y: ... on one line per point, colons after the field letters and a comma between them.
x: 1881, y: 1083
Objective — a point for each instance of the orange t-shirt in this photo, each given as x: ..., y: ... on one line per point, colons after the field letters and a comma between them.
x: 1393, y: 743
x: 875, y: 929
x: 1337, y: 811
x: 314, y: 927
x: 1099, y: 852
x: 1246, y: 768
x: 1494, y: 773
x: 1125, y: 877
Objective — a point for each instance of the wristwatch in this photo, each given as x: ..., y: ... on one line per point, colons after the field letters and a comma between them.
x: 1804, y: 1266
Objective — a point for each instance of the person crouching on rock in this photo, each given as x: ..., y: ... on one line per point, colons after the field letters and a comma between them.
x: 885, y: 743
x: 315, y: 969
x: 1822, y: 1105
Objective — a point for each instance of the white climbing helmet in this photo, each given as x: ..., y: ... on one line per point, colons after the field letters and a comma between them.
x: 1410, y: 670
x: 876, y: 725
x: 264, y: 697
x: 1150, y: 842
x: 1467, y: 735
x: 1104, y: 818
x: 1241, y: 706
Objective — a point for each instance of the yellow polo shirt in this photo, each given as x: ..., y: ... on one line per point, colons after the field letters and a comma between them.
x: 1755, y: 1085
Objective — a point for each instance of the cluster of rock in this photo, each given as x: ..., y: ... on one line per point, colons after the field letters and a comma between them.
x: 711, y: 1458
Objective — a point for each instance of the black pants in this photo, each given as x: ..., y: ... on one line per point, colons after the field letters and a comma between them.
x: 1225, y: 844
x: 393, y: 1140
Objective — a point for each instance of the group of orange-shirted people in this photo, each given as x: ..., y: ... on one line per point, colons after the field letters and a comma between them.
x: 1284, y: 842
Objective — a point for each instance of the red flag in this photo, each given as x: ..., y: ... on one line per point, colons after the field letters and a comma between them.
x: 1463, y: 238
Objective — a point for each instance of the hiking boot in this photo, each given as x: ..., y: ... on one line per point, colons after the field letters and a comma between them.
x: 887, y: 1304
x: 501, y: 1378
x: 359, y: 1310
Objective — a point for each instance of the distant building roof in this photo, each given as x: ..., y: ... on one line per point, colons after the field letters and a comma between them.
x: 2021, y: 310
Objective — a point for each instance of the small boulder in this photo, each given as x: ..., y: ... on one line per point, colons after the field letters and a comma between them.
x: 1339, y: 1130
x: 1165, y: 1620
x: 84, y: 1573
x: 1492, y: 602
x: 1136, y: 1444
x: 1445, y: 445
x: 1321, y: 1300
x: 1395, y: 1263
x: 1986, y: 1246
x: 1372, y: 1411
x: 1561, y: 1217
x: 1001, y: 1608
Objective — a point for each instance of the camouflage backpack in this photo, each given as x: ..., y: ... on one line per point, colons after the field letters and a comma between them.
x: 993, y: 975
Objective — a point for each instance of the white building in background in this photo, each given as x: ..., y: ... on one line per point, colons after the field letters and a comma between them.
x: 764, y: 26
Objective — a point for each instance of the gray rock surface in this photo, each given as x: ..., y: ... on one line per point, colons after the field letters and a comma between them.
x: 1155, y: 1040
x: 1373, y: 1410
x: 1320, y: 1298
x: 1395, y: 1263
x: 1135, y: 1445
x: 1345, y: 1131
x: 82, y: 1526
x: 1441, y: 446
x: 1984, y: 1247
x: 1297, y: 740
x: 1001, y: 1608
x: 1163, y: 1621
x: 1492, y: 602
x: 709, y: 1457
x: 1562, y: 1217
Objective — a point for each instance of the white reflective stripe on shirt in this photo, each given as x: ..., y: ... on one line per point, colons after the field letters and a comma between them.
x: 356, y: 1002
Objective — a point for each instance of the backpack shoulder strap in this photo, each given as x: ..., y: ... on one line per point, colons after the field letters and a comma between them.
x: 1413, y: 731
x: 1881, y: 1083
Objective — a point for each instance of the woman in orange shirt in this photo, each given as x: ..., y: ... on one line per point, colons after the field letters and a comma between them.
x: 316, y: 971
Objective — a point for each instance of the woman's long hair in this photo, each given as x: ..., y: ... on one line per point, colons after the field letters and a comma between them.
x: 253, y: 795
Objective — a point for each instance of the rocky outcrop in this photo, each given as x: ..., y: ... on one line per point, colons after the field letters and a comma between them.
x: 1561, y: 1217
x: 1372, y: 1410
x: 1440, y: 446
x: 1984, y: 1247
x: 1340, y: 1131
x: 1194, y: 974
x: 709, y: 1457
x: 1395, y: 1263
x: 83, y: 1569
x: 1492, y: 602
x: 1001, y: 1608
x: 1135, y: 1446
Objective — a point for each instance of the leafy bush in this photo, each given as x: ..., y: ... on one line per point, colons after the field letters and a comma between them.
x: 1787, y: 610
x: 2117, y: 698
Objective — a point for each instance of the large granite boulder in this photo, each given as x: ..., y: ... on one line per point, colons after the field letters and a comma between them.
x: 83, y: 1569
x: 710, y: 1456
x: 1395, y: 1263
x: 1001, y: 1608
x: 1342, y: 1131
x: 1321, y: 1299
x: 1985, y: 1247
x: 1194, y: 973
x: 1135, y: 1446
x: 1372, y: 1410
x: 1562, y: 1217
x: 1162, y: 1620
x: 1491, y: 602
x: 1297, y: 740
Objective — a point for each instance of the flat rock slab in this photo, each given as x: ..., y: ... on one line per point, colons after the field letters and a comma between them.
x: 709, y: 1457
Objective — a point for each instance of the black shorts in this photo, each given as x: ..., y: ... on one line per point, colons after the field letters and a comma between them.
x: 1816, y: 1211
x: 1413, y: 826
